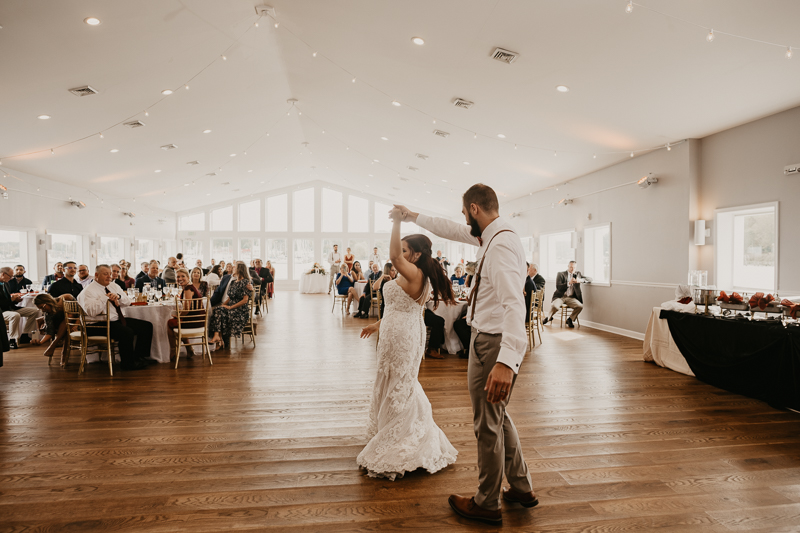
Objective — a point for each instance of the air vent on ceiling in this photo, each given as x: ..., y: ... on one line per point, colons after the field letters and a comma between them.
x: 396, y: 188
x: 403, y: 179
x: 265, y: 11
x: 465, y: 104
x: 169, y: 147
x: 193, y: 162
x: 506, y: 56
x: 227, y: 183
x: 441, y: 133
x: 211, y: 174
x: 422, y: 156
x: 134, y: 124
x: 390, y: 194
x: 413, y: 169
x: 83, y: 91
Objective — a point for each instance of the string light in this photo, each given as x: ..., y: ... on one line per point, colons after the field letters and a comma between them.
x: 515, y: 147
x: 397, y: 104
x: 186, y: 87
x: 789, y: 53
x: 314, y: 54
x: 224, y: 58
x: 101, y: 135
x: 594, y: 156
x: 710, y: 36
x: 631, y: 154
x: 146, y: 114
x: 629, y: 8
x: 555, y: 154
x: 256, y: 24
x: 277, y: 24
x: 52, y: 152
x: 669, y: 148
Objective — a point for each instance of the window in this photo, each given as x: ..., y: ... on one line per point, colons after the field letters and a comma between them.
x: 112, y: 249
x: 14, y: 249
x: 361, y: 250
x: 597, y: 253
x: 331, y: 211
x: 196, y: 222
x: 383, y: 250
x: 169, y: 249
x: 555, y: 253
x: 357, y: 215
x: 192, y: 251
x: 277, y: 213
x: 275, y: 253
x: 249, y: 249
x: 64, y: 248
x: 382, y: 222
x: 527, y: 245
x: 222, y: 219
x: 747, y: 248
x: 222, y: 250
x: 145, y: 250
x: 303, y: 256
x: 250, y: 216
x: 303, y: 211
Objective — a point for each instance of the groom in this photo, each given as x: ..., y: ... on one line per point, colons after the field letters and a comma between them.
x: 496, y: 313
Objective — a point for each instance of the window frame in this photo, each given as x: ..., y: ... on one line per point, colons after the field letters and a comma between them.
x: 542, y: 262
x: 717, y: 241
x: 260, y: 212
x: 202, y: 214
x: 610, y: 254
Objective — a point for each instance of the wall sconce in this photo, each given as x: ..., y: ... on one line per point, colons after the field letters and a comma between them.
x: 647, y: 181
x: 701, y: 232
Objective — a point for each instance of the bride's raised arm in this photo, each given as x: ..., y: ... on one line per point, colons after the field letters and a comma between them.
x: 405, y: 268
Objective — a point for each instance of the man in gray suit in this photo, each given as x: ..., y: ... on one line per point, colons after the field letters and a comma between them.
x: 568, y: 292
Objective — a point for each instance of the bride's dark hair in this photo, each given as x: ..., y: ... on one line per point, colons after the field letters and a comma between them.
x: 431, y: 268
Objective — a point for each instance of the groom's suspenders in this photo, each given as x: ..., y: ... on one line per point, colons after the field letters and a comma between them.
x: 473, y: 296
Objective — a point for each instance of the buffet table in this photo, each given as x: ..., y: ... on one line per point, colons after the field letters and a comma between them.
x: 314, y: 284
x: 450, y: 313
x: 759, y: 359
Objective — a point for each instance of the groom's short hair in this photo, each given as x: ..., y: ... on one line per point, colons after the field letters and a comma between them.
x: 483, y: 196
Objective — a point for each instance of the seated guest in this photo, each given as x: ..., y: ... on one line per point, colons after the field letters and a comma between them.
x: 229, y: 269
x: 389, y: 273
x: 436, y: 340
x: 221, y: 269
x: 365, y: 303
x: 343, y: 284
x: 144, y: 273
x: 169, y: 271
x: 459, y: 275
x: 179, y: 260
x: 464, y: 331
x: 231, y: 316
x: 53, y: 309
x: 13, y: 314
x: 271, y: 284
x: 58, y: 273
x: 193, y: 314
x: 213, y: 278
x: 442, y: 260
x: 68, y: 284
x: 115, y: 272
x: 197, y: 281
x: 266, y: 277
x: 255, y: 281
x: 126, y: 279
x: 124, y: 330
x: 19, y: 281
x: 532, y: 285
x: 84, y: 278
x: 358, y: 274
x: 152, y: 279
x: 538, y: 279
x: 199, y: 264
x: 568, y: 292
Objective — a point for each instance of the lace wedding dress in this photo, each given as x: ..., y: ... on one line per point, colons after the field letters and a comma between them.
x: 402, y: 433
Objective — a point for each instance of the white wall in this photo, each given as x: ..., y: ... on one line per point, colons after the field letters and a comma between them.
x: 48, y: 211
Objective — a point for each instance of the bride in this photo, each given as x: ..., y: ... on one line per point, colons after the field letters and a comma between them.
x: 402, y: 433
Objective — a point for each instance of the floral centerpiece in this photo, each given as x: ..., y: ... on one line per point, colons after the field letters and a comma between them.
x: 316, y: 269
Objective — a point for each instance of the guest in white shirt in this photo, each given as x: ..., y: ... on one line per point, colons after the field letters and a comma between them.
x: 498, y: 344
x: 83, y: 276
x: 335, y: 261
x: 94, y: 299
x: 376, y: 258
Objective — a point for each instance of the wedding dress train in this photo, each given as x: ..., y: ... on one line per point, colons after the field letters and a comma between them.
x: 402, y: 433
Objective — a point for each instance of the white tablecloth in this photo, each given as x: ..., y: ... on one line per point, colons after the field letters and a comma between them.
x: 450, y: 313
x: 660, y: 348
x: 158, y: 315
x: 360, y: 286
x: 314, y: 284
x: 27, y: 299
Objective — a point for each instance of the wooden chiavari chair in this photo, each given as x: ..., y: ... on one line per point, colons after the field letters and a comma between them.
x: 192, y: 316
x: 81, y: 339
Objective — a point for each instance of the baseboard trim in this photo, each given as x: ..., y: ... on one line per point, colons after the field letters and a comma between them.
x: 612, y: 329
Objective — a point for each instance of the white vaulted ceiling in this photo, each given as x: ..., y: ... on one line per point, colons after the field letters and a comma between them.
x: 637, y: 81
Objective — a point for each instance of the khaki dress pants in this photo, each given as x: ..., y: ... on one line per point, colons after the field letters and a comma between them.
x: 499, y: 450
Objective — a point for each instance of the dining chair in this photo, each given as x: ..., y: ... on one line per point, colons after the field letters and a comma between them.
x: 249, y: 328
x: 533, y: 326
x: 375, y: 304
x: 564, y: 310
x: 82, y: 339
x: 255, y: 295
x: 340, y: 297
x: 192, y: 316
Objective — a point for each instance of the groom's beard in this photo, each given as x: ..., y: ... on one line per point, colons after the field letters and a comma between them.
x: 475, y: 229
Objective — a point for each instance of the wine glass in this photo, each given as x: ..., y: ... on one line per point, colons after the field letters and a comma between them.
x: 158, y: 294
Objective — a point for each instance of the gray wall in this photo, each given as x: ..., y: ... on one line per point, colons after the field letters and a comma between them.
x: 652, y: 246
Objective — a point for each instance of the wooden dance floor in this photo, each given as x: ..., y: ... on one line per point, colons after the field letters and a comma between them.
x: 266, y: 440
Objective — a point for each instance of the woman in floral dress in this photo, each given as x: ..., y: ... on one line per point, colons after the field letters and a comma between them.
x: 230, y: 318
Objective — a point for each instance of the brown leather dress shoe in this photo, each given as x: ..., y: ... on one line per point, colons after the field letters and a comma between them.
x: 526, y: 499
x: 467, y: 508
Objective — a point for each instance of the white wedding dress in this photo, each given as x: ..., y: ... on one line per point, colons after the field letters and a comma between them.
x: 402, y: 433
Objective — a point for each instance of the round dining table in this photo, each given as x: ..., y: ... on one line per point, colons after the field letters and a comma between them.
x: 314, y: 283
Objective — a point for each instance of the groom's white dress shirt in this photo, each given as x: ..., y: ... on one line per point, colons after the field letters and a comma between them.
x: 500, y: 303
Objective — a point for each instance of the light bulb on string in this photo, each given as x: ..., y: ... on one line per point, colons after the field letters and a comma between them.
x: 669, y: 148
x: 224, y: 58
x: 789, y: 53
x: 629, y: 8
x: 314, y: 54
x: 631, y: 154
x: 256, y: 24
x: 277, y: 24
x: 555, y: 154
x: 710, y: 36
x: 354, y: 80
x: 594, y: 156
x: 101, y: 135
x: 515, y: 147
x: 475, y: 136
x: 52, y: 151
x: 186, y: 87
x: 147, y: 114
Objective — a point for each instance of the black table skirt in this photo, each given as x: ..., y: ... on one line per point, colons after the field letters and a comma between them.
x: 756, y: 359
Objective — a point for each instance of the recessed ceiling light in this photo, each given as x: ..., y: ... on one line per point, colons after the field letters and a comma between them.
x: 466, y: 162
x: 43, y: 117
x: 166, y: 92
x: 395, y: 103
x: 92, y: 21
x: 206, y: 131
x: 385, y: 138
x: 185, y: 184
x: 156, y: 171
x: 418, y: 40
x: 376, y: 161
x: 233, y: 155
x: 562, y: 88
x: 113, y: 150
x: 501, y: 135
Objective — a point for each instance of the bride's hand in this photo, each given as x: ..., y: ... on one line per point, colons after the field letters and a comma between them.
x: 369, y: 330
x: 396, y: 214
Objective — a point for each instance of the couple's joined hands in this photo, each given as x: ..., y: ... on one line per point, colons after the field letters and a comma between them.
x: 402, y: 214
